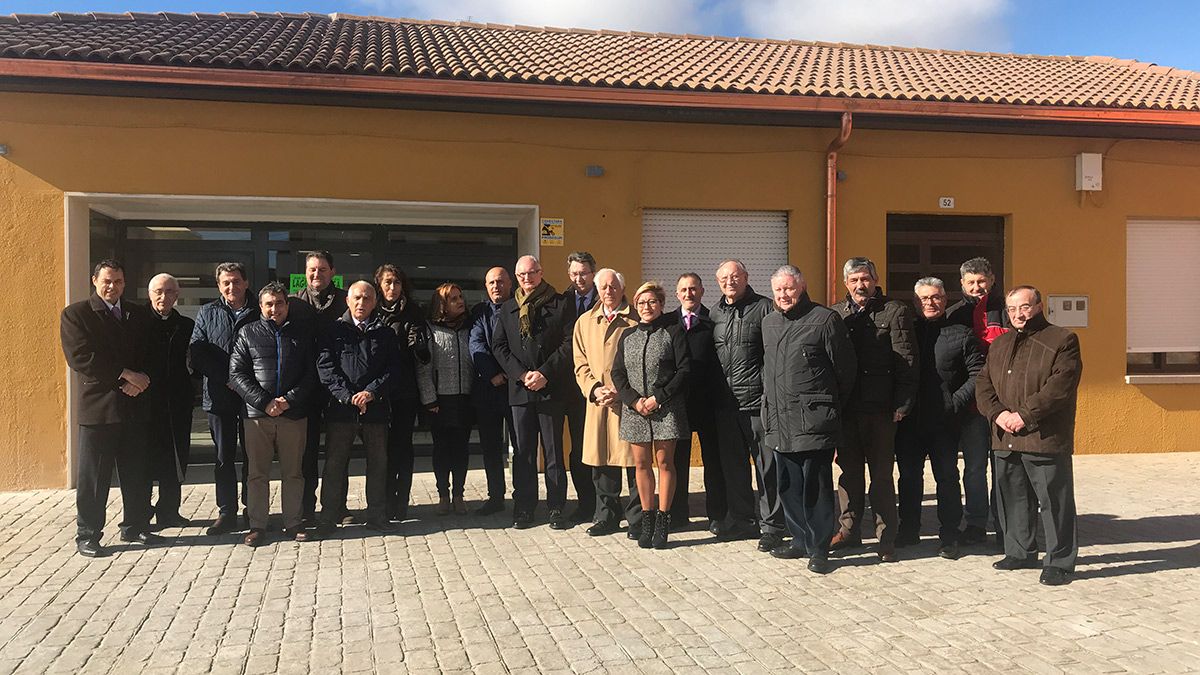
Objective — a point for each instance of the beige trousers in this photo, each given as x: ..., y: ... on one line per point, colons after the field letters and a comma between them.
x: 264, y: 437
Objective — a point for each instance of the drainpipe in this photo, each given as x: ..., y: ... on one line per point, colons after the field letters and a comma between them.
x: 831, y: 172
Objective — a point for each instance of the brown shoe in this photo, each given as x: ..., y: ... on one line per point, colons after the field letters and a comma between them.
x: 844, y: 541
x: 255, y: 538
x: 443, y: 507
x: 299, y: 534
x: 460, y: 507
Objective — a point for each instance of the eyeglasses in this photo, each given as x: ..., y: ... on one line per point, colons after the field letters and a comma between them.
x: 1019, y: 308
x: 933, y: 299
x: 652, y: 302
x: 529, y: 273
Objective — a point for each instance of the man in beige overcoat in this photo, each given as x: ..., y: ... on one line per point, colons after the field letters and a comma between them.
x: 597, y: 334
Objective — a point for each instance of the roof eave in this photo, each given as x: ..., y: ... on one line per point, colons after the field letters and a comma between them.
x: 430, y: 88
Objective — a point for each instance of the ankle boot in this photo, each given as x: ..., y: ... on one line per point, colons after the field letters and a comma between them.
x: 649, y: 519
x: 661, y: 529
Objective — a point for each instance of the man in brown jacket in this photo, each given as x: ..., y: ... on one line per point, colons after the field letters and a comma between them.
x: 1027, y: 390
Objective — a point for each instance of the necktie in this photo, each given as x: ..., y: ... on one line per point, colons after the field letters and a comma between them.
x: 687, y: 321
x: 581, y: 309
x: 116, y: 312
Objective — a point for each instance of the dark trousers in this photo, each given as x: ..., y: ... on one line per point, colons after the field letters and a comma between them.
x: 869, y: 441
x: 976, y: 446
x: 400, y: 455
x: 309, y: 465
x: 581, y: 474
x: 680, y: 511
x: 491, y: 424
x: 227, y: 434
x: 451, y: 427
x: 940, y: 445
x: 1027, y: 482
x: 101, y: 447
x: 740, y: 436
x: 335, y: 479
x: 533, y: 421
x: 715, y: 504
x: 806, y: 493
x: 170, y: 446
x: 609, y: 508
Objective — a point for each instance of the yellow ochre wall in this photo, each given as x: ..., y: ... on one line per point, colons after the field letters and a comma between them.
x: 145, y: 146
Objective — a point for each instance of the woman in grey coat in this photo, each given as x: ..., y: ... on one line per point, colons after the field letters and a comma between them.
x: 650, y: 373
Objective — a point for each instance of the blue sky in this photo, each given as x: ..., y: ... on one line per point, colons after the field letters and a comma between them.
x: 1157, y: 31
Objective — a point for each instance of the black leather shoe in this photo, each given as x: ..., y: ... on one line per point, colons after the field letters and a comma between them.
x: 820, y: 566
x: 91, y: 549
x: 489, y: 507
x: 739, y: 532
x: 522, y: 520
x: 972, y: 535
x: 603, y: 528
x: 635, y: 531
x: 769, y: 542
x: 949, y: 551
x: 558, y: 521
x: 1008, y: 563
x: 223, y: 525
x: 714, y: 526
x: 173, y: 520
x: 907, y: 539
x: 1054, y: 576
x: 787, y: 553
x: 143, y: 538
x: 649, y: 522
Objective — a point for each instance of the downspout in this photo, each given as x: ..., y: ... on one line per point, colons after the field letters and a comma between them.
x: 831, y: 171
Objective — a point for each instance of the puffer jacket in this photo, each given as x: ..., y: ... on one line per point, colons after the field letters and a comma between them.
x: 1035, y: 373
x: 353, y: 360
x: 449, y: 371
x: 216, y: 328
x: 269, y: 361
x: 950, y: 361
x: 737, y: 335
x: 882, y: 333
x: 808, y: 374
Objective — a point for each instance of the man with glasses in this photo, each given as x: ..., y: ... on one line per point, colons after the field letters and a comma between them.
x: 532, y: 344
x: 1028, y: 392
x: 581, y: 269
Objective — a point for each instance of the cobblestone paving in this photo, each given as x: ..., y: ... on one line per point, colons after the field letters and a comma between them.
x: 460, y: 593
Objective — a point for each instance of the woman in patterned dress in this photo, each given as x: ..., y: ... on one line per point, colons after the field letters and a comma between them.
x: 650, y: 373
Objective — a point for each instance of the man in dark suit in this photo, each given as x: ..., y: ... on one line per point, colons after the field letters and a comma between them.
x: 698, y: 327
x: 533, y: 345
x: 103, y: 340
x: 581, y: 268
x: 489, y: 392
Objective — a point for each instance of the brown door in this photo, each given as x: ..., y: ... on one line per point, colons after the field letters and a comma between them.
x: 928, y: 245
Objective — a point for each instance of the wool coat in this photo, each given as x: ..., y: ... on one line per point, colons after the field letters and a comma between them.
x: 595, y: 342
x: 98, y: 347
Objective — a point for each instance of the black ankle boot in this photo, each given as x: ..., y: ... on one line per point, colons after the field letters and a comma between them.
x: 661, y: 529
x: 649, y: 519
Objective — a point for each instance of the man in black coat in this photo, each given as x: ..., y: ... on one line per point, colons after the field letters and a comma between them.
x: 489, y: 391
x: 272, y: 368
x: 104, y: 342
x: 950, y: 361
x: 533, y: 345
x: 217, y: 324
x: 357, y: 363
x: 881, y: 330
x: 808, y: 373
x: 703, y: 381
x: 317, y: 306
x: 170, y: 397
x: 737, y: 335
x: 581, y: 296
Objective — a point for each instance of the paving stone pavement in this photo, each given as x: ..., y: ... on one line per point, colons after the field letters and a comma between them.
x: 460, y: 593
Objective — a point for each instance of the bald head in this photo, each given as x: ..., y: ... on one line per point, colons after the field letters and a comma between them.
x: 529, y: 273
x: 164, y: 293
x: 498, y: 285
x: 361, y: 300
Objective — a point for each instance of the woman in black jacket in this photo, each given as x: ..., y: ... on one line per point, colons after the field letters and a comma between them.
x: 403, y: 314
x: 650, y: 372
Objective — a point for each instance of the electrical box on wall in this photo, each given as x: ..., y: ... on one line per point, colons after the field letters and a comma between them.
x: 1069, y: 311
x: 1089, y: 171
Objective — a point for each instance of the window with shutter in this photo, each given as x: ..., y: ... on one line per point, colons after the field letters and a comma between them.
x: 676, y: 241
x: 1162, y: 328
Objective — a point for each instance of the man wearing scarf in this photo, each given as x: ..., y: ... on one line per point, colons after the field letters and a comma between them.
x: 533, y: 345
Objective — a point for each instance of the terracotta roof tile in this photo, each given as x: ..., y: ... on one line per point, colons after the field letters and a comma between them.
x: 374, y: 46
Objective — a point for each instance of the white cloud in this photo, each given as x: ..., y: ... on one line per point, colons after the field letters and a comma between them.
x: 947, y: 24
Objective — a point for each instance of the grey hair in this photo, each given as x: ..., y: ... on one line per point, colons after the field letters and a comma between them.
x: 930, y: 281
x: 735, y: 261
x: 273, y: 288
x: 788, y: 271
x: 1037, y: 295
x: 230, y: 268
x: 976, y: 266
x: 163, y: 276
x: 859, y: 264
x: 619, y: 277
x: 585, y: 258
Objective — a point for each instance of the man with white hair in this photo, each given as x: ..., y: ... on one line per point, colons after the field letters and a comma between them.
x: 171, y: 398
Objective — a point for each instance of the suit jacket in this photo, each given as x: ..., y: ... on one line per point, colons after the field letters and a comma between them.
x: 572, y: 301
x: 547, y: 351
x: 98, y: 347
x: 705, y: 377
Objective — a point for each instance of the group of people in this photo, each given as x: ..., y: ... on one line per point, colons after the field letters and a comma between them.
x: 776, y: 390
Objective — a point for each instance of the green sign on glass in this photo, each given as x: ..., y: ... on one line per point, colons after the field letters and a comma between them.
x: 297, y: 281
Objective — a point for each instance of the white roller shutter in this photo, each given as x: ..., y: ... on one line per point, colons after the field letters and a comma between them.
x: 675, y: 241
x: 1160, y: 311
